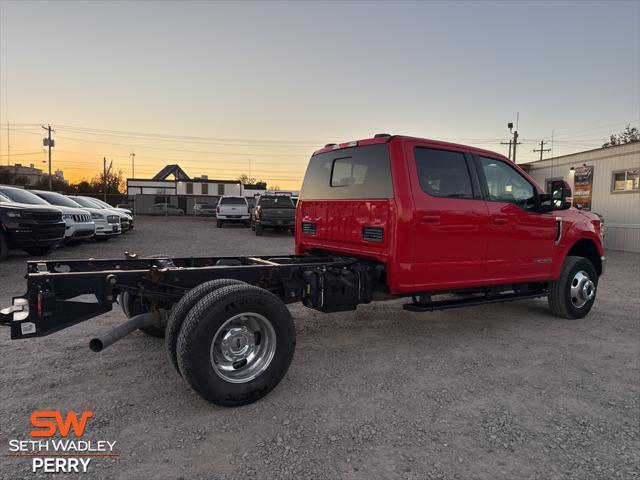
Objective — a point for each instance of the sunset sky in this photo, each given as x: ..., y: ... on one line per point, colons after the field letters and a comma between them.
x: 230, y: 88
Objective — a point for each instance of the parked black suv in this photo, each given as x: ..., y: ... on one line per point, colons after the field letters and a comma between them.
x: 37, y: 230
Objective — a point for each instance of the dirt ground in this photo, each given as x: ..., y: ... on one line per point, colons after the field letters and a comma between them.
x: 493, y: 392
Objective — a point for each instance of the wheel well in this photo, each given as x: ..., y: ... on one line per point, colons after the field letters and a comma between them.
x: 587, y: 249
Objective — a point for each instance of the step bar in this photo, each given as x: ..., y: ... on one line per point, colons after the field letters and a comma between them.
x: 470, y: 301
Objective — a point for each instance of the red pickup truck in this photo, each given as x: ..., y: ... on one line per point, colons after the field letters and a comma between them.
x: 443, y: 225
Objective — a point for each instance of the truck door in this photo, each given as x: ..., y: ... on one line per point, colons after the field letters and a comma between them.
x: 450, y: 219
x: 521, y: 240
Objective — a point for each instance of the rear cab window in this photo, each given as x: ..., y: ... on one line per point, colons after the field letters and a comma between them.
x: 233, y: 201
x: 443, y: 173
x: 276, y: 201
x: 349, y: 173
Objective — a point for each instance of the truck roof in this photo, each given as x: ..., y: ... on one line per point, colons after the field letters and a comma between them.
x: 378, y: 139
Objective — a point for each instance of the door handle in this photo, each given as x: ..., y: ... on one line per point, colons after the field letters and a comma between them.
x: 500, y: 220
x: 432, y: 219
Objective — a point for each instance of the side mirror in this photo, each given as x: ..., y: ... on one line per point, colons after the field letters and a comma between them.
x: 560, y: 195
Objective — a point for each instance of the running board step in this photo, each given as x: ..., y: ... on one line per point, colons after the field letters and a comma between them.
x: 468, y: 301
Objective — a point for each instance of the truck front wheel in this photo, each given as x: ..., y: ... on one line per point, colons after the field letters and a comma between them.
x: 236, y: 344
x: 574, y: 293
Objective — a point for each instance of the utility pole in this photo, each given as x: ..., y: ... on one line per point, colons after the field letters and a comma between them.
x: 133, y: 165
x: 513, y: 142
x: 542, y: 149
x: 49, y: 142
x: 8, y: 148
x: 510, y: 142
x: 104, y: 177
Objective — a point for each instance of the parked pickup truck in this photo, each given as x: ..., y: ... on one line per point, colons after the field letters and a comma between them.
x: 440, y: 224
x: 273, y: 211
x: 232, y: 209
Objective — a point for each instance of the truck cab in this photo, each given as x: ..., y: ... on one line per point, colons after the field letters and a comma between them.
x: 440, y: 216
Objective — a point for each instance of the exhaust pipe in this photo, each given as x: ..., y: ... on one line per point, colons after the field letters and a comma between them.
x: 98, y: 344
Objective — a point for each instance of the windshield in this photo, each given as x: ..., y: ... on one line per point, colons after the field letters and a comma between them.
x: 233, y: 201
x: 22, y: 196
x: 57, y: 199
x: 84, y: 202
x: 349, y: 173
x: 280, y: 201
x: 101, y: 203
x: 92, y: 202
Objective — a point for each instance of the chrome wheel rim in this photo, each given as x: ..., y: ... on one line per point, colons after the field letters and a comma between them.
x: 582, y: 289
x: 243, y: 347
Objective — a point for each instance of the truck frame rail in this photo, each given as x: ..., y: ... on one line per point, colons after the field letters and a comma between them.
x: 63, y: 293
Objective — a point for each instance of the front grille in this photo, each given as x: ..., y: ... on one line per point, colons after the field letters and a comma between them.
x: 309, y: 228
x: 372, y: 234
x: 49, y: 232
x: 113, y: 219
x: 47, y: 217
x: 81, y: 218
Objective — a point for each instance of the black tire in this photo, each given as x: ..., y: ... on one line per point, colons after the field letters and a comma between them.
x: 203, y: 323
x: 4, y: 248
x: 562, y: 301
x: 181, y: 309
x: 40, y: 251
x: 132, y: 306
x: 219, y: 223
x: 293, y: 231
x: 259, y: 230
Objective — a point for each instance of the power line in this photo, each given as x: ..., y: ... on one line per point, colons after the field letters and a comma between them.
x: 542, y: 149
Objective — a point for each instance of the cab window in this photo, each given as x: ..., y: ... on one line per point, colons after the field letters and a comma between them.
x: 505, y: 184
x: 443, y: 173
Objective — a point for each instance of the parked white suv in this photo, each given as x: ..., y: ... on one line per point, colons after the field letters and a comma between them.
x: 95, y: 203
x: 232, y: 209
x: 79, y: 224
x: 107, y: 221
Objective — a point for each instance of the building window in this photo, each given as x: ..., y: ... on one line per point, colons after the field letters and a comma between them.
x: 205, y: 188
x: 189, y: 188
x: 221, y: 189
x: 626, y: 180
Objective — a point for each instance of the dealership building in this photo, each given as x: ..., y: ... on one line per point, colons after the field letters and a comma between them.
x: 605, y: 181
x: 173, y: 186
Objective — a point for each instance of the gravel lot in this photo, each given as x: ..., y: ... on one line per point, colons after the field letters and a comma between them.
x: 494, y: 392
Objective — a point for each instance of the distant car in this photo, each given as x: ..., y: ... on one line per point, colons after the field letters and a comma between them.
x: 125, y: 206
x: 205, y: 209
x: 80, y: 225
x: 232, y: 209
x: 35, y: 228
x: 116, y: 208
x: 107, y: 222
x: 166, y: 209
x: 273, y: 211
x: 126, y: 219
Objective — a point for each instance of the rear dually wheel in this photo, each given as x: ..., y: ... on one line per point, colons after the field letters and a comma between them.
x: 236, y: 344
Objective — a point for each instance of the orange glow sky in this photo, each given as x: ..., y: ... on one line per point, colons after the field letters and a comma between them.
x: 259, y: 86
